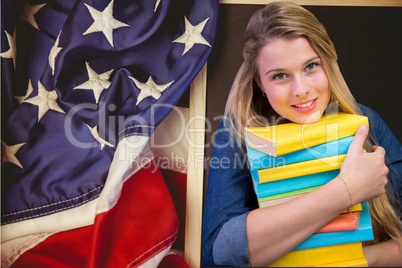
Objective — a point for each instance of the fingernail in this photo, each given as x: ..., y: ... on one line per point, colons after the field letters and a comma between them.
x: 364, y: 127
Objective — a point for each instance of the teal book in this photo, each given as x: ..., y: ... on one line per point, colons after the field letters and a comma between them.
x: 260, y: 160
x: 364, y: 232
x: 292, y: 184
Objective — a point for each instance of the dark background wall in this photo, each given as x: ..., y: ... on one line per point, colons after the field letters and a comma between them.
x: 369, y: 47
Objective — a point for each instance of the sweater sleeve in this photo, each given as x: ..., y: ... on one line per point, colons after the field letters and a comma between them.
x: 230, y: 246
x: 229, y: 198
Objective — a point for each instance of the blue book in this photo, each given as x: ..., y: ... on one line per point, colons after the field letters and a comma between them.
x: 260, y: 160
x: 364, y: 232
x: 292, y: 184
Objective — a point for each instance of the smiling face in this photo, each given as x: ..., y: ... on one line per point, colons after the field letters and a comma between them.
x: 292, y: 77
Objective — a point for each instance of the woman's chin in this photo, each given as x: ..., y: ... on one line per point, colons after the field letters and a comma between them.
x: 307, y: 118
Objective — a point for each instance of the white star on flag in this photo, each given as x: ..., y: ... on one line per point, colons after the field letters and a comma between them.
x: 21, y: 99
x: 8, y: 153
x: 11, y: 53
x: 45, y: 100
x: 96, y: 82
x: 192, y: 35
x: 53, y: 54
x: 29, y: 12
x: 150, y: 88
x: 96, y: 136
x: 104, y: 22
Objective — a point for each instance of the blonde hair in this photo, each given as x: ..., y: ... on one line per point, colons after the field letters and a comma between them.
x: 246, y: 105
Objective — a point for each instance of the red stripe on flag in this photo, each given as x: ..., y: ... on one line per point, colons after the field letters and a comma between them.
x: 140, y: 225
x: 177, y: 183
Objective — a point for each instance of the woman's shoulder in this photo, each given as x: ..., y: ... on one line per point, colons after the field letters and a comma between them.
x: 226, y: 136
x: 378, y: 127
x: 375, y: 119
x: 368, y: 111
x: 225, y: 127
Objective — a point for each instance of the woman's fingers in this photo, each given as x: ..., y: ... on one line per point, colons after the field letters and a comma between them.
x: 359, y: 139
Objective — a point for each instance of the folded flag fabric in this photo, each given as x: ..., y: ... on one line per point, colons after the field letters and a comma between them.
x: 123, y: 236
x: 84, y: 84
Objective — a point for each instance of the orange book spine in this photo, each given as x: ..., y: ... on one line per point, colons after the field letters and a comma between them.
x: 343, y: 222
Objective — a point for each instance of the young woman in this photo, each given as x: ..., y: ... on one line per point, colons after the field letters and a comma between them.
x: 290, y: 73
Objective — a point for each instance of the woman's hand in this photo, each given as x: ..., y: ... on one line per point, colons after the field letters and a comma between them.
x: 364, y: 172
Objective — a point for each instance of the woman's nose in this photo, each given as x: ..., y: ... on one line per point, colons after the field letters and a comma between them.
x: 300, y: 86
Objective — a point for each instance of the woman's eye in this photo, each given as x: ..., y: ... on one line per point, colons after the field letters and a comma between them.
x: 311, y: 66
x: 279, y: 76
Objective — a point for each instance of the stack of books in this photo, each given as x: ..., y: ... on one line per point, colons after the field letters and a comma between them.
x: 289, y: 160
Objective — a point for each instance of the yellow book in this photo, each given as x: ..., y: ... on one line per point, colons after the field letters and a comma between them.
x: 350, y: 254
x: 290, y: 137
x: 360, y: 262
x: 356, y: 207
x: 301, y: 168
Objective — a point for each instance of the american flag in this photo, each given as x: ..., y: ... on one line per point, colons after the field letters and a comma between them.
x: 84, y: 84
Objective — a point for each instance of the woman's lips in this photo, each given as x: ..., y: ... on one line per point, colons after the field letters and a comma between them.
x: 305, y: 106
